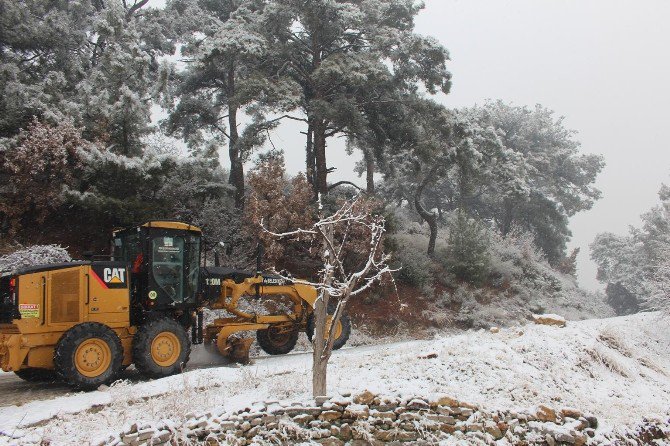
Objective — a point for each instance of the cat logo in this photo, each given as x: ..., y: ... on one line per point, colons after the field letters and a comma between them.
x: 110, y: 275
x: 114, y: 275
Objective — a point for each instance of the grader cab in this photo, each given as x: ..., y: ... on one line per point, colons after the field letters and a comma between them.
x: 83, y: 322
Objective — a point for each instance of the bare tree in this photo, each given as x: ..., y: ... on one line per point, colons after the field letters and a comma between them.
x: 338, y: 281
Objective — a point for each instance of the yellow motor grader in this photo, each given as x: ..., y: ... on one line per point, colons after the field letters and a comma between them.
x: 82, y: 322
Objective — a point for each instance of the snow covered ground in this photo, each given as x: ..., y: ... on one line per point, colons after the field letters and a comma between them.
x: 618, y: 369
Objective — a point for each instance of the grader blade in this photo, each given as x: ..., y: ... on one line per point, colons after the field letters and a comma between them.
x: 236, y: 349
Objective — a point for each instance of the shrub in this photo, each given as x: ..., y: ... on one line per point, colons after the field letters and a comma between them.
x: 416, y: 268
x: 33, y: 255
x: 467, y: 255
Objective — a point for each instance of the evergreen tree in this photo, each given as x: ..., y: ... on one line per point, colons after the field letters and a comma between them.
x: 227, y: 81
x: 467, y: 255
x: 344, y: 55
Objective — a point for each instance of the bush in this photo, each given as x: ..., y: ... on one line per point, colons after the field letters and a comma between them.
x: 33, y: 255
x: 416, y: 266
x: 467, y: 255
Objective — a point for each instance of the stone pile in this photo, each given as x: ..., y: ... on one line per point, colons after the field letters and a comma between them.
x: 369, y: 419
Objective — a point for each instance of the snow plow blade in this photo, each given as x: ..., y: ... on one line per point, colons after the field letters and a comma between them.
x: 237, y: 349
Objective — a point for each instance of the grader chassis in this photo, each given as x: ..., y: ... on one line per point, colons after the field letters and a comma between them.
x: 83, y: 322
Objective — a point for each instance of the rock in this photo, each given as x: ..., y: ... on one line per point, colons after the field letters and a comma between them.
x: 549, y: 319
x: 145, y: 434
x: 593, y: 421
x: 474, y: 427
x: 493, y: 430
x: 494, y: 330
x: 418, y: 404
x: 544, y: 413
x: 549, y: 440
x: 356, y: 411
x: 564, y: 437
x: 331, y: 441
x: 383, y: 415
x: 466, y: 413
x: 314, y: 411
x: 444, y: 419
x: 130, y: 438
x: 444, y: 401
x: 345, y: 432
x: 340, y: 400
x: 409, y: 416
x: 569, y: 412
x: 330, y: 406
x: 366, y: 398
x: 330, y: 415
x: 319, y: 400
x: 303, y: 418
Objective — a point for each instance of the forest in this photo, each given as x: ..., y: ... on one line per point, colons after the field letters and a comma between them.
x: 115, y: 112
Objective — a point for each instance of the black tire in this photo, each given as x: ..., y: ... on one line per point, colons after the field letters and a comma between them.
x: 170, y: 331
x: 65, y: 356
x: 277, y: 340
x: 34, y: 375
x: 346, y: 328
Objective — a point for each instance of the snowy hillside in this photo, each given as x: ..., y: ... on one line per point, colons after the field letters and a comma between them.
x: 617, y: 369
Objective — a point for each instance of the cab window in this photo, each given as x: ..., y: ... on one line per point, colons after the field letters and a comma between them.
x: 168, y: 265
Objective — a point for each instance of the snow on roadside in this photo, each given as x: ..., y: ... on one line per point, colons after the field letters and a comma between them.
x: 618, y: 369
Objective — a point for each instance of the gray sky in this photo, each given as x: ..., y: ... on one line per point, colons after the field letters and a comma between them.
x: 603, y: 64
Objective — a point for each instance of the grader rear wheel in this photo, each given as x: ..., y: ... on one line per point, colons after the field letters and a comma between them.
x: 278, y: 339
x: 88, y: 355
x: 33, y: 375
x: 342, y: 331
x: 161, y: 347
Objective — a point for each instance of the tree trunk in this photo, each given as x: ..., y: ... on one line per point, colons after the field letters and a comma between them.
x: 319, y: 361
x: 430, y: 217
x: 236, y: 178
x: 321, y: 354
x: 310, y: 161
x: 320, y: 158
x: 319, y: 378
x: 369, y: 171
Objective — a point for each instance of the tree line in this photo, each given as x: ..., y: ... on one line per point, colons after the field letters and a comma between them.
x: 82, y: 80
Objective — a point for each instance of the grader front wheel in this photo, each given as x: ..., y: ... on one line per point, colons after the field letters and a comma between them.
x: 161, y: 347
x: 277, y: 340
x: 342, y: 331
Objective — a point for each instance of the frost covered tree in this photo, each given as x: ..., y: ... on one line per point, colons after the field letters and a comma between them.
x: 637, y: 263
x: 278, y: 204
x: 427, y: 145
x: 90, y: 61
x: 519, y: 168
x: 342, y: 54
x: 552, y: 180
x: 226, y: 84
x: 43, y: 162
x: 339, y: 282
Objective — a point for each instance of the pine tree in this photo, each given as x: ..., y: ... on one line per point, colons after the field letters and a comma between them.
x: 467, y: 255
